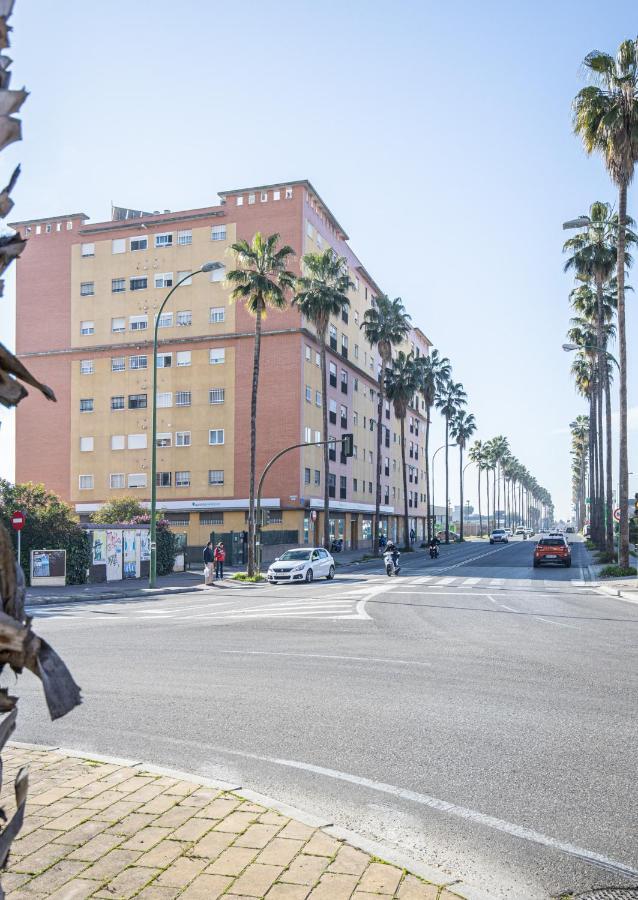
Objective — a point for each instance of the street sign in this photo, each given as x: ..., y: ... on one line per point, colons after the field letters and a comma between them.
x: 17, y: 520
x: 617, y: 514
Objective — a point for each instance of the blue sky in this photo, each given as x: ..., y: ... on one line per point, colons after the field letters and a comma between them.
x: 439, y: 135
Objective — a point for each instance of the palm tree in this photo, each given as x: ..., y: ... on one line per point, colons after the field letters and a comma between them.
x: 498, y: 450
x: 476, y: 454
x: 580, y: 439
x: 385, y: 324
x: 435, y: 372
x: 462, y: 427
x: 401, y: 383
x: 606, y: 118
x: 449, y: 402
x: 322, y: 291
x: 260, y: 280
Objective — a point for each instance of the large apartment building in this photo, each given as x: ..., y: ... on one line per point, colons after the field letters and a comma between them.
x: 87, y: 297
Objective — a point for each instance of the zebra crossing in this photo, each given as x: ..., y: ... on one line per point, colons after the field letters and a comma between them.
x: 512, y: 584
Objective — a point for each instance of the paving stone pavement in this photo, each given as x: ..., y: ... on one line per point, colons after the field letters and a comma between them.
x: 109, y: 831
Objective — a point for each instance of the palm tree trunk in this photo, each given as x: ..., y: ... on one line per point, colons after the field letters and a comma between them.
x: 494, y: 497
x: 326, y: 449
x: 601, y: 461
x: 253, y: 444
x: 430, y: 511
x: 461, y: 487
x: 479, y: 500
x: 447, y: 494
x: 497, y: 508
x: 623, y: 467
x: 405, y: 485
x: 609, y: 522
x: 590, y: 450
x: 377, y: 502
x: 487, y: 492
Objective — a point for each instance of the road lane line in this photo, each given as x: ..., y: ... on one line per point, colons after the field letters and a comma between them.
x: 382, y: 659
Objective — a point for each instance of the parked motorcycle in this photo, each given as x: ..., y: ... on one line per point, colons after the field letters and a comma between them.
x: 391, y: 567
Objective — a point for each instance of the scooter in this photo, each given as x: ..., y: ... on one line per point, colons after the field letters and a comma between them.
x: 390, y: 567
x: 434, y: 552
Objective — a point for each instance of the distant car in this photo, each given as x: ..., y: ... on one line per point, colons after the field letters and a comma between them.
x: 552, y: 549
x: 499, y: 536
x: 302, y: 564
x: 570, y: 530
x: 452, y: 536
x: 521, y: 530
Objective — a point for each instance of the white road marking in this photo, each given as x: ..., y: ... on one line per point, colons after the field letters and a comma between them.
x: 381, y: 659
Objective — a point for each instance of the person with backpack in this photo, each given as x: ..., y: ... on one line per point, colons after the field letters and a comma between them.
x: 220, y: 556
x: 208, y: 563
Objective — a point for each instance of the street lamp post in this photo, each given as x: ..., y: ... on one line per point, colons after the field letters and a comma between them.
x: 442, y: 447
x: 152, y: 572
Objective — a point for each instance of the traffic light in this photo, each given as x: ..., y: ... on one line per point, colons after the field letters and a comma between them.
x: 347, y: 445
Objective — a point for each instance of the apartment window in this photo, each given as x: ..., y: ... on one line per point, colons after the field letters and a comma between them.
x: 139, y: 283
x: 309, y: 228
x: 182, y: 438
x: 163, y: 479
x: 317, y: 476
x: 215, y: 436
x: 356, y: 316
x: 344, y: 381
x: 355, y: 485
x: 275, y: 517
x: 87, y: 367
x: 387, y: 409
x: 317, y: 437
x: 118, y: 441
x: 216, y: 395
x: 118, y: 285
x: 215, y: 476
x: 182, y: 398
x: 185, y: 236
x: 332, y: 412
x: 217, y: 314
x: 88, y: 250
x: 217, y: 356
x: 139, y: 243
x: 163, y: 279
x: 288, y: 193
x: 344, y: 417
x: 318, y: 398
x: 138, y: 323
x: 342, y: 487
x: 183, y: 479
x: 307, y: 435
x: 48, y: 229
x: 212, y: 518
x: 86, y: 404
x: 333, y: 337
x: 355, y: 384
x: 137, y: 362
x: 137, y: 401
x: 344, y: 314
x: 183, y: 357
x: 86, y: 444
x: 356, y: 351
x: 164, y: 439
x: 369, y: 487
x: 332, y: 449
x: 86, y: 482
x: 38, y: 229
x: 331, y: 485
x: 251, y: 199
x: 118, y: 245
x: 117, y: 402
x: 240, y: 201
x: 332, y: 374
x: 308, y: 394
x: 136, y: 480
x: 164, y: 399
x: 308, y: 353
x: 117, y: 480
x: 355, y: 451
x: 317, y: 359
x: 306, y: 476
x: 344, y: 345
x: 136, y: 441
x: 87, y: 327
x: 184, y: 317
x: 386, y: 466
x: 218, y: 233
x: 164, y: 240
x: 264, y: 197
x: 165, y: 320
x: 164, y: 360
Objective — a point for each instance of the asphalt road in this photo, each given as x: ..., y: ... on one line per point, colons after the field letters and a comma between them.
x: 474, y: 712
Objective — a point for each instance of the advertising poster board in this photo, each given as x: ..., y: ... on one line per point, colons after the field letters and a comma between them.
x: 99, y: 548
x: 130, y: 556
x: 48, y: 568
x: 113, y: 555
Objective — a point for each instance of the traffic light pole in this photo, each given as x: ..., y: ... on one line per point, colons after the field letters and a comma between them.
x: 345, y: 440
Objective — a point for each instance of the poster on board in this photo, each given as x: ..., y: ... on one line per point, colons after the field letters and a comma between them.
x: 48, y: 567
x: 113, y: 555
x: 130, y: 554
x: 99, y: 548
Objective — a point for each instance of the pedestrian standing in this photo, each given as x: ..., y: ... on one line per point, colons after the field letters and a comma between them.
x: 220, y: 556
x: 208, y: 563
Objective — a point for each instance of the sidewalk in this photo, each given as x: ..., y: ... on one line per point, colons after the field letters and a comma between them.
x: 627, y: 588
x: 111, y: 829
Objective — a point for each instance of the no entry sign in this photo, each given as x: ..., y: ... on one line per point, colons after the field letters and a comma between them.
x: 617, y: 514
x: 17, y: 520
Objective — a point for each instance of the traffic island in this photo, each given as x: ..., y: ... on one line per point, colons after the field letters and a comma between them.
x: 106, y: 828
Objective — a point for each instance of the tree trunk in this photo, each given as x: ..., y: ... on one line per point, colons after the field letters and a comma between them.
x: 405, y: 485
x: 447, y: 487
x: 601, y: 460
x: 623, y: 467
x: 590, y: 452
x: 461, y: 488
x: 377, y: 502
x: 427, y: 474
x: 479, y: 500
x: 326, y: 448
x: 487, y: 492
x: 497, y: 508
x: 609, y: 521
x: 494, y: 497
x: 253, y: 444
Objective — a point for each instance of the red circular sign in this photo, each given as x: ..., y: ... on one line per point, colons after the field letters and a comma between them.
x: 17, y: 520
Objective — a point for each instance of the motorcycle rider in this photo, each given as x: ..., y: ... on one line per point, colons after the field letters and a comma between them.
x: 434, y: 545
x: 390, y: 547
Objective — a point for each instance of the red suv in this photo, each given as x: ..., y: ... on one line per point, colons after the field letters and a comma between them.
x: 552, y: 550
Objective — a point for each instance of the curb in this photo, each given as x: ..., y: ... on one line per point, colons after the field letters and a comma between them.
x: 389, y: 854
x: 143, y: 594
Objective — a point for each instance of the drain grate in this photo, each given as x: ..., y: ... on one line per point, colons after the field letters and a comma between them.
x: 609, y: 894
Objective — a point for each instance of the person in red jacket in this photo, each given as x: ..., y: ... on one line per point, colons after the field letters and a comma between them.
x: 220, y: 556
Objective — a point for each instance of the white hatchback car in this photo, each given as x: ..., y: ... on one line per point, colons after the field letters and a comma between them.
x: 302, y: 564
x: 499, y: 536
